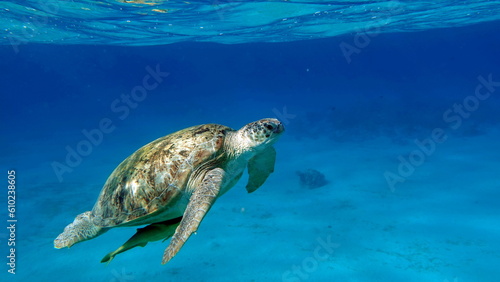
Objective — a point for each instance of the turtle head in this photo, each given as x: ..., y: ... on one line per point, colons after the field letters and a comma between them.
x: 261, y: 134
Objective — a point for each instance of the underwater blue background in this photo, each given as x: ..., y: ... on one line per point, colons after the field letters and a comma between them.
x: 356, y: 121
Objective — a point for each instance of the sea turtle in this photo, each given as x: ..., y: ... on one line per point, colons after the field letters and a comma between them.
x: 174, y: 180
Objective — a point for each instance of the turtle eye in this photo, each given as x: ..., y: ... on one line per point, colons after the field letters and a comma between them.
x: 269, y: 126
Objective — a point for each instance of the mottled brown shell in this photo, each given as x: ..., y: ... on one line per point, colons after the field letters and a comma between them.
x: 156, y: 175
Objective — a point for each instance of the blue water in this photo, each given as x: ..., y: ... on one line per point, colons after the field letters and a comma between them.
x: 395, y: 103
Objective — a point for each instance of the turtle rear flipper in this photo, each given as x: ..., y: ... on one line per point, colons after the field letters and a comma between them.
x: 81, y: 229
x: 153, y: 232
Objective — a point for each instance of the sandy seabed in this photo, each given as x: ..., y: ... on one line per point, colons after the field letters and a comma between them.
x: 440, y: 224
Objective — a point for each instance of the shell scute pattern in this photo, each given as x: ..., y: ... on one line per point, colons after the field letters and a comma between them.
x: 156, y: 176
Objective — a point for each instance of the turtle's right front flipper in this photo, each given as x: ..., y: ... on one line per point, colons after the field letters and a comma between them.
x: 150, y: 233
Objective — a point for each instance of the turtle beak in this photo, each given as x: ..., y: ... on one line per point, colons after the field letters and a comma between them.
x: 279, y: 128
x: 275, y: 126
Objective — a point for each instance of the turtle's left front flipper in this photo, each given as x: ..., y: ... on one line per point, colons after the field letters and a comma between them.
x: 200, y: 202
x: 153, y: 232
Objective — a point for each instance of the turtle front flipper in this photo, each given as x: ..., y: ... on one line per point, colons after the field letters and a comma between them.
x: 260, y: 167
x: 81, y: 229
x: 153, y: 232
x: 199, y: 204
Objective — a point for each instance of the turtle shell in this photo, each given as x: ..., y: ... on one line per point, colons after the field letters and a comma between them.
x: 156, y: 176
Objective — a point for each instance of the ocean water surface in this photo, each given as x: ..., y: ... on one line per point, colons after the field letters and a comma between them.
x: 388, y: 169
